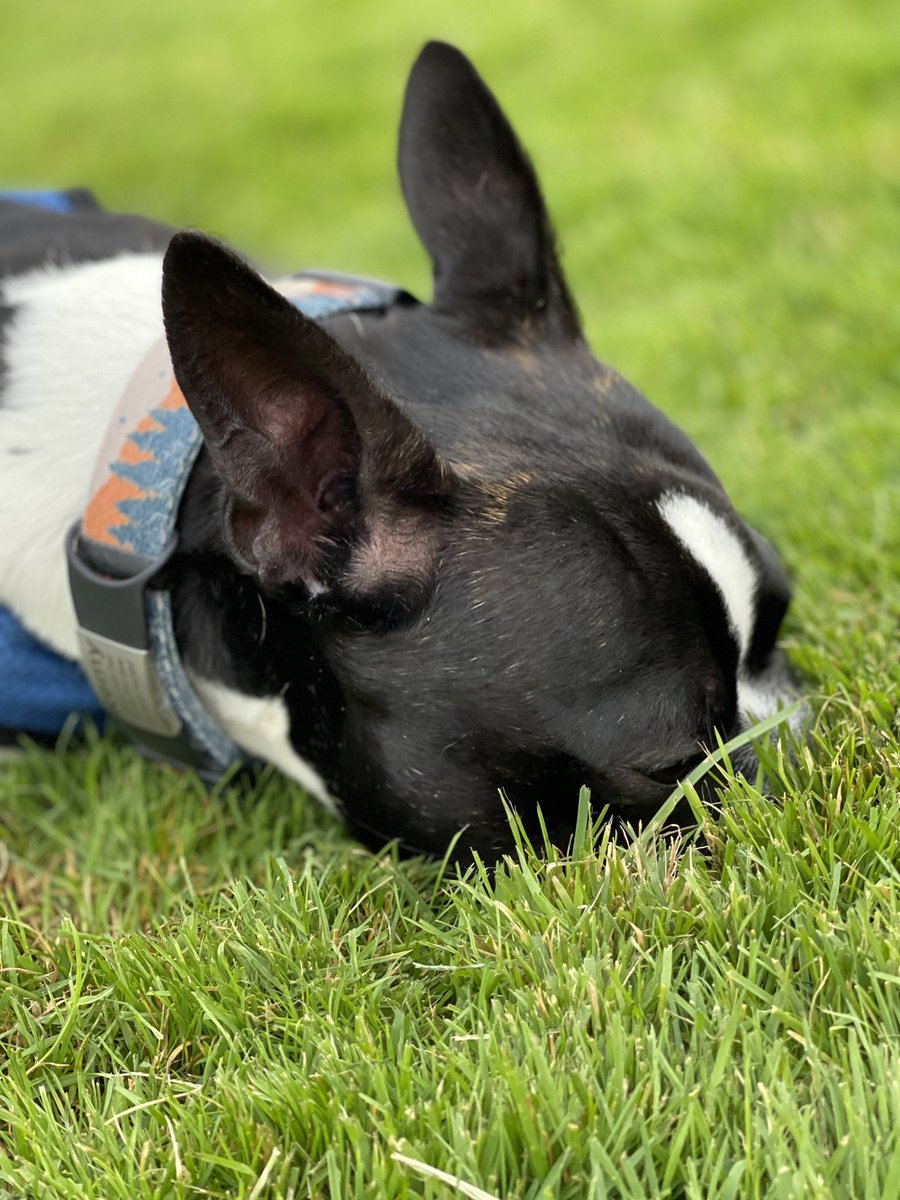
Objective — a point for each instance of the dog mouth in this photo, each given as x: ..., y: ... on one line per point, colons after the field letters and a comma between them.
x: 672, y: 774
x: 632, y: 793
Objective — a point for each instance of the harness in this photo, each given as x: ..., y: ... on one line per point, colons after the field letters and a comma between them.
x: 131, y: 665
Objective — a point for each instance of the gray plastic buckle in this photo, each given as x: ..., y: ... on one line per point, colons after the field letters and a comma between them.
x: 117, y: 657
x: 115, y: 643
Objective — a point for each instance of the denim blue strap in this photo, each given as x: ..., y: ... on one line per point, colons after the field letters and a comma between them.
x: 39, y: 689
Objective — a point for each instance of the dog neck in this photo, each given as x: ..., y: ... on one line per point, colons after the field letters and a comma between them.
x: 119, y: 550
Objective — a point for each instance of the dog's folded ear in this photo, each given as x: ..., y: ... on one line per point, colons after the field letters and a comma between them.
x: 475, y: 202
x: 327, y: 483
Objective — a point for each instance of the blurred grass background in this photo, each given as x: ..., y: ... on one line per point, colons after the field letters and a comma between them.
x: 725, y: 179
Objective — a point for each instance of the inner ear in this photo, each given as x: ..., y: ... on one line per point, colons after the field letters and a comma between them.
x: 474, y: 199
x: 310, y: 451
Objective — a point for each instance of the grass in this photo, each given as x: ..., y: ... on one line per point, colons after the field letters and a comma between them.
x: 221, y: 994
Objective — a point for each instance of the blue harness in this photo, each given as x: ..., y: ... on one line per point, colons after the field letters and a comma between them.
x: 132, y: 666
x: 39, y: 689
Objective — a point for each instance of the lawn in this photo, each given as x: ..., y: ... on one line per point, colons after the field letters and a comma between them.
x: 222, y: 994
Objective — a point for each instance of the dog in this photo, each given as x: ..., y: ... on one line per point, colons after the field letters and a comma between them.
x: 428, y: 556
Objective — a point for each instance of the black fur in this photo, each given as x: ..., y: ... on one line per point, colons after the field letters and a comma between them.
x: 31, y: 238
x: 433, y: 530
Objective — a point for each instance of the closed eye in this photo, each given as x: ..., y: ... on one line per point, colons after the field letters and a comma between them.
x: 672, y: 773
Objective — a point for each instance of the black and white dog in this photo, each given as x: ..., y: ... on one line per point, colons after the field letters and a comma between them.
x: 428, y: 553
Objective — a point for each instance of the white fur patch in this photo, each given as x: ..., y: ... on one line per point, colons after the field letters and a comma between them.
x: 75, y: 339
x: 711, y: 542
x: 78, y: 333
x: 260, y: 725
x: 763, y: 695
x: 758, y: 699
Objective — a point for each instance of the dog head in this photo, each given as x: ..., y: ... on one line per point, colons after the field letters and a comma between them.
x: 495, y: 566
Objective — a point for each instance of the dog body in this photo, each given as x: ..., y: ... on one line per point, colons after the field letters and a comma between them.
x: 427, y: 553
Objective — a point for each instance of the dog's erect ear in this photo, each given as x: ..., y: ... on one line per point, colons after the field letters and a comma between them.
x: 475, y: 202
x: 320, y: 467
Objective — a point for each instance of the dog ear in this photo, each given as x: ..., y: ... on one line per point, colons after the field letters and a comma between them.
x: 474, y: 199
x: 320, y: 468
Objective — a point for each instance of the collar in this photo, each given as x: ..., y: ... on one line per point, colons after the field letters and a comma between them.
x: 117, y: 551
